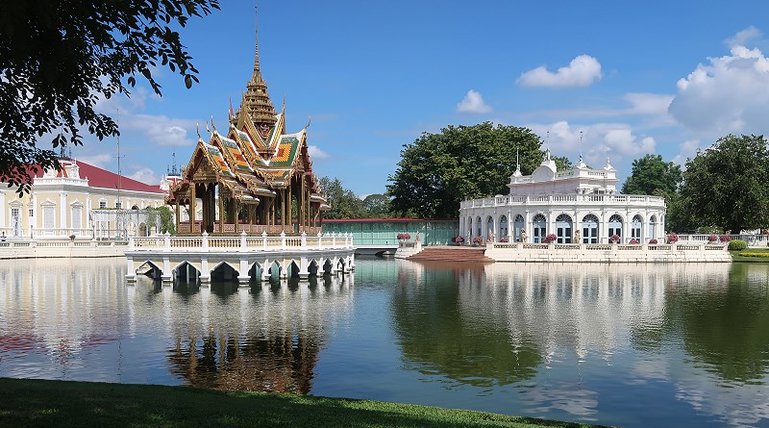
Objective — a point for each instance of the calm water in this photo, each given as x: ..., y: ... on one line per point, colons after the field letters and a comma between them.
x: 631, y: 345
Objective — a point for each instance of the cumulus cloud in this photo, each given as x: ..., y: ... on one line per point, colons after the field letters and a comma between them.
x: 145, y: 175
x: 742, y: 37
x: 583, y: 70
x: 686, y: 150
x: 160, y: 129
x: 648, y: 103
x: 473, y: 103
x: 601, y: 140
x: 316, y: 153
x: 728, y: 94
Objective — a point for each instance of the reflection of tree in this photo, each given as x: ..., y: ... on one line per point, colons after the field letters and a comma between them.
x: 439, y: 337
x: 279, y: 363
x: 726, y: 327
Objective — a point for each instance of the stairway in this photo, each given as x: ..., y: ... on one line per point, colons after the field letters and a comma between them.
x: 452, y: 254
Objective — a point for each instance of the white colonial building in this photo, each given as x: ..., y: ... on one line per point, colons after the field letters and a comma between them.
x: 580, y: 205
x: 78, y: 199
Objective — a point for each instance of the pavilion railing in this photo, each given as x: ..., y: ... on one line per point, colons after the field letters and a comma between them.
x: 251, y: 229
x: 242, y: 242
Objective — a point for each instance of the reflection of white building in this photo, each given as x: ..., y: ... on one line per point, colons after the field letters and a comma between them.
x: 79, y: 199
x: 563, y: 203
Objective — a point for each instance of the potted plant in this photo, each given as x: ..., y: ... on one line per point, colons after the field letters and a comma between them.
x: 712, y: 238
x: 614, y: 239
x: 634, y: 241
x: 477, y: 241
x: 550, y: 238
x: 672, y: 238
x: 653, y: 241
x: 404, y: 236
x: 725, y: 238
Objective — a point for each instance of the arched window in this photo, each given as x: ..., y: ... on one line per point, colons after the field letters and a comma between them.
x: 590, y: 229
x: 563, y: 228
x: 637, y: 228
x: 489, y: 227
x: 652, y: 227
x: 518, y: 226
x: 540, y: 228
x: 615, y: 226
x: 478, y: 231
x: 77, y: 217
x: 469, y: 228
x: 49, y: 216
x: 503, y: 228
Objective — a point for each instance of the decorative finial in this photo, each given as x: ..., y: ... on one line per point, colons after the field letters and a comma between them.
x: 580, y: 146
x: 197, y: 130
x: 231, y: 112
x: 309, y: 122
x: 213, y: 126
x: 548, y: 141
x: 256, y: 38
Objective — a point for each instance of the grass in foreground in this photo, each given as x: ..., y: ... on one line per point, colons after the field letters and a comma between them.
x: 760, y: 255
x: 25, y: 402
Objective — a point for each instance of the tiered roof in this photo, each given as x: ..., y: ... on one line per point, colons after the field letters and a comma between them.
x: 256, y: 156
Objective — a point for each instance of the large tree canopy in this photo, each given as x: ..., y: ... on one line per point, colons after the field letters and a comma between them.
x: 726, y: 185
x: 653, y: 176
x: 57, y: 58
x: 437, y: 171
x: 344, y: 203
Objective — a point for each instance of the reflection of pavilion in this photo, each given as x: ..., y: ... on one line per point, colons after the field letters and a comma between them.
x: 264, y: 339
x: 498, y: 323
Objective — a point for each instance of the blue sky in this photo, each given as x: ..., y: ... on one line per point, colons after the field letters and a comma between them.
x: 635, y: 77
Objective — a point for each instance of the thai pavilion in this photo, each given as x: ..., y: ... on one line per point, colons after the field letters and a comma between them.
x: 255, y: 178
x: 580, y: 205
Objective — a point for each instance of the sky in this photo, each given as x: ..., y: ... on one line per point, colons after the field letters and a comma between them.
x: 661, y: 77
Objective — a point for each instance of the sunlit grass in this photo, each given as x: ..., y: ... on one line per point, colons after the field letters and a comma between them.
x: 27, y: 402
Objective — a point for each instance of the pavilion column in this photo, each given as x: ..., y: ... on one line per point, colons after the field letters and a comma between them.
x: 178, y: 215
x: 192, y: 208
x: 211, y: 205
x: 221, y: 209
x: 283, y: 203
x: 235, y: 212
x: 289, y: 210
x: 204, y: 202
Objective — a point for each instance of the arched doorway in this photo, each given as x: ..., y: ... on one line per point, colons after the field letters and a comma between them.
x: 540, y: 228
x: 563, y: 229
x: 503, y: 229
x: 615, y: 226
x: 590, y: 229
x: 636, y: 228
x: 489, y: 227
x: 518, y: 226
x: 469, y: 228
x: 478, y: 231
x: 653, y: 227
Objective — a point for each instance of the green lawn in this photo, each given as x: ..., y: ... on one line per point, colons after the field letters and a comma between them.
x: 760, y: 255
x: 25, y: 402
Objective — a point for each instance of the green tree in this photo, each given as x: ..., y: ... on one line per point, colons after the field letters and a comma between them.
x: 650, y: 175
x: 58, y: 58
x: 377, y: 205
x: 437, y: 171
x: 344, y: 203
x: 726, y: 185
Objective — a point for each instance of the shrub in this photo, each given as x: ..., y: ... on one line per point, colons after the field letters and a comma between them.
x: 725, y: 238
x: 737, y: 245
x: 477, y: 240
x: 459, y: 239
x: 614, y: 238
x: 403, y: 236
x: 653, y: 241
x: 633, y: 242
x: 504, y: 239
x: 672, y: 238
x: 712, y: 238
x: 550, y: 238
x: 759, y: 254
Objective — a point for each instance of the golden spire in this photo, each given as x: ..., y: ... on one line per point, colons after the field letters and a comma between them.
x: 256, y: 101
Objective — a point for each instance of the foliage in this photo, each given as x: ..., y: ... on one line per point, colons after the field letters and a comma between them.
x: 437, y: 171
x: 614, y: 238
x: 737, y: 245
x: 634, y: 242
x: 459, y: 239
x: 651, y: 175
x: 58, y: 59
x: 403, y: 236
x: 377, y: 205
x: 671, y: 238
x: 477, y: 240
x: 28, y: 402
x: 712, y: 238
x: 725, y: 238
x: 550, y: 238
x: 344, y: 203
x: 755, y: 253
x: 726, y: 184
x: 653, y: 241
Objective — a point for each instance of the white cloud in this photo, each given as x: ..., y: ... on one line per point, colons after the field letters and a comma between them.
x: 145, y: 175
x: 473, y: 103
x: 581, y: 71
x: 160, y: 129
x: 729, y: 94
x: 647, y: 103
x: 742, y: 37
x: 101, y: 160
x: 316, y: 153
x: 601, y: 140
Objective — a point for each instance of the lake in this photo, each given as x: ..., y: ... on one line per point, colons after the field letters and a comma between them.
x: 630, y: 345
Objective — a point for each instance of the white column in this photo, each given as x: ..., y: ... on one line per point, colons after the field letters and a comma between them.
x: 3, y: 208
x: 63, y: 223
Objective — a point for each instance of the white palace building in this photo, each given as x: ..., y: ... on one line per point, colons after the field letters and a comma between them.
x: 579, y: 206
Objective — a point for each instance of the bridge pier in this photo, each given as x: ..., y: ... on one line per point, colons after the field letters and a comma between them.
x: 131, y: 270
